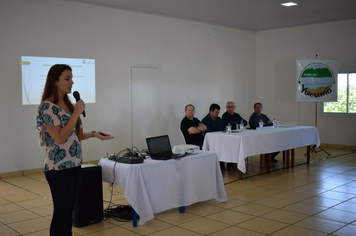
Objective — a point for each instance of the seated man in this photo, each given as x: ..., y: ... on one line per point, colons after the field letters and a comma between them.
x: 257, y: 116
x: 230, y: 116
x: 254, y: 123
x: 212, y: 120
x: 214, y: 123
x: 192, y: 128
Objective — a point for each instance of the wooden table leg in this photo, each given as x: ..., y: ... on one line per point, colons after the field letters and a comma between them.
x: 269, y: 157
x: 287, y: 161
x: 284, y: 155
x: 308, y: 154
x: 261, y: 163
x: 292, y: 158
x: 241, y: 175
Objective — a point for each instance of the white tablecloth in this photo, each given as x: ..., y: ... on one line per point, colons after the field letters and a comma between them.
x: 236, y: 147
x: 156, y: 186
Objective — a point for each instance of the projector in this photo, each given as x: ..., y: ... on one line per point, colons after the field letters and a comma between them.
x: 188, y: 148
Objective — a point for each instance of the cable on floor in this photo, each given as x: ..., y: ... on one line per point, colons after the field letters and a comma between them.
x: 121, y: 213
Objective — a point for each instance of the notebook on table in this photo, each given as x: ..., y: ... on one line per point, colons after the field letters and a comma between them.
x: 160, y: 148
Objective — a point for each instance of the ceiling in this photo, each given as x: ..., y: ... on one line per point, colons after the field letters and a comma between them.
x: 253, y: 15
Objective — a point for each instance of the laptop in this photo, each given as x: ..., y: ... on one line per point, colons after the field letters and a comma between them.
x: 160, y: 148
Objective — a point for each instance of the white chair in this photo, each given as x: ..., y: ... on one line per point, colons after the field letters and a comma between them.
x: 182, y: 135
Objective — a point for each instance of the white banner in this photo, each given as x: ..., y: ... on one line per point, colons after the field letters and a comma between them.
x: 316, y: 80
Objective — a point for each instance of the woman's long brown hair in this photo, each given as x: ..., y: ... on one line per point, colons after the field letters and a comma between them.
x: 50, y: 89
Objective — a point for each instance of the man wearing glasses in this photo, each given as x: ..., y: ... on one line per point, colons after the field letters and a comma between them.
x: 257, y: 116
x: 230, y: 116
x: 254, y: 123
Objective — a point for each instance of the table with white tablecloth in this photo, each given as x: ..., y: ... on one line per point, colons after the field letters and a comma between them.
x: 235, y: 147
x: 155, y: 186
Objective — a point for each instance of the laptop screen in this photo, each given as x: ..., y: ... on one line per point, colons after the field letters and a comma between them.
x: 159, y: 145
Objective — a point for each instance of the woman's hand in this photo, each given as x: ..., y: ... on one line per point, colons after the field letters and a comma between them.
x: 103, y: 136
x: 79, y: 107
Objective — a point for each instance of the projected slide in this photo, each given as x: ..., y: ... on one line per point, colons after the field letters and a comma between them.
x: 34, y: 74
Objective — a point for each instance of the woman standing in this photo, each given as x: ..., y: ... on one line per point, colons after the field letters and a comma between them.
x: 60, y: 133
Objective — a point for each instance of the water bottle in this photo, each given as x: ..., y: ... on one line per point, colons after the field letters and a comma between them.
x: 228, y: 128
x: 274, y: 123
x: 241, y: 125
x: 261, y: 123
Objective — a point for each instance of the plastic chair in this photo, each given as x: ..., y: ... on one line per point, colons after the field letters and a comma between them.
x: 182, y: 136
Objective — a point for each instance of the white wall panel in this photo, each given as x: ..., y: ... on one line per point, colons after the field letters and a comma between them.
x: 199, y: 64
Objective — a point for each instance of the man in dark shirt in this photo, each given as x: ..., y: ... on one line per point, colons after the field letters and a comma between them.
x: 231, y: 117
x: 234, y: 119
x: 192, y: 128
x: 255, y: 120
x: 214, y: 123
x: 212, y: 120
x: 257, y: 116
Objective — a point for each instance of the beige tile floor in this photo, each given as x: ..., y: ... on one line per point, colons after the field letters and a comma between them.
x: 315, y: 199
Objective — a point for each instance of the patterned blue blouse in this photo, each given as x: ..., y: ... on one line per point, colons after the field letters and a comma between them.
x: 58, y: 156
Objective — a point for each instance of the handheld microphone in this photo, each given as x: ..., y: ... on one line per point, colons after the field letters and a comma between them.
x: 77, y: 98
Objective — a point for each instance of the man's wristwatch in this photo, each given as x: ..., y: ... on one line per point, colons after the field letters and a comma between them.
x: 92, y: 134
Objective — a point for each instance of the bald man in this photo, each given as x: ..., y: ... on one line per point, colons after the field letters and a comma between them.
x: 192, y: 128
x: 230, y: 116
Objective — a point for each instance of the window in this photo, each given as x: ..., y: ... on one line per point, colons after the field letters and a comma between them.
x: 346, y: 95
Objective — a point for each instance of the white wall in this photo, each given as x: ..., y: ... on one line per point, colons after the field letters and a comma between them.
x: 199, y: 64
x: 277, y: 51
